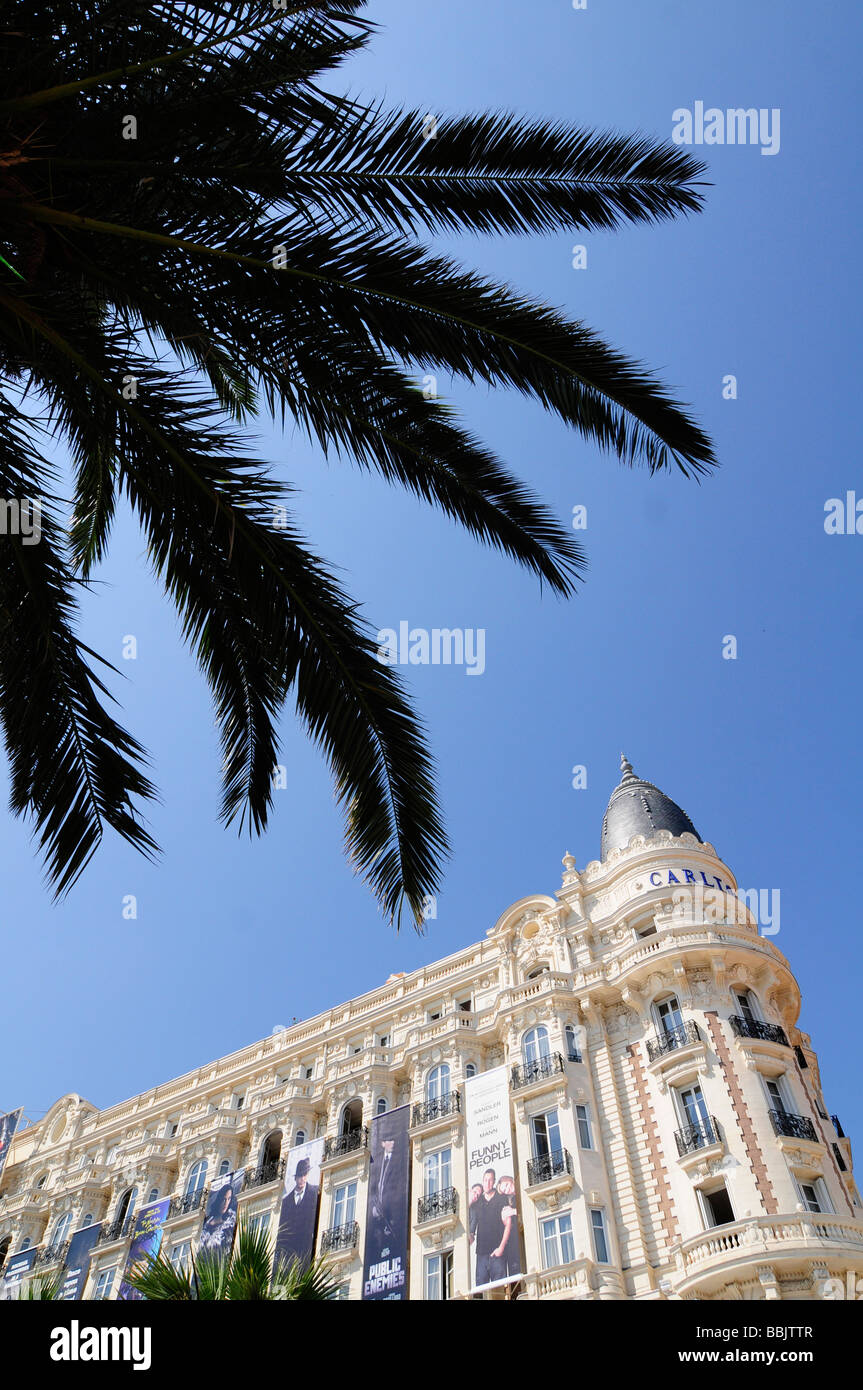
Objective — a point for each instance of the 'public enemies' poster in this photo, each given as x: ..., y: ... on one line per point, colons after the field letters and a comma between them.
x: 385, y: 1266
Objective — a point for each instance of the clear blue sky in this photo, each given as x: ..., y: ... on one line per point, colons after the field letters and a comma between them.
x: 232, y: 936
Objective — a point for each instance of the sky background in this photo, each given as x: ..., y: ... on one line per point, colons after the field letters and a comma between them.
x: 234, y: 937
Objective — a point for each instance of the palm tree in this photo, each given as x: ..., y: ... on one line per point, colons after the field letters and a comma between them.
x: 193, y: 230
x: 242, y: 1275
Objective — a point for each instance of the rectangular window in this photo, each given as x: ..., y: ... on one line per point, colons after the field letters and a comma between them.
x: 342, y: 1292
x: 693, y: 1109
x: 557, y: 1246
x: 814, y: 1196
x: 585, y: 1134
x: 746, y: 1005
x: 239, y: 1102
x: 545, y: 1134
x: 345, y: 1204
x: 600, y: 1238
x: 384, y: 1040
x: 776, y: 1092
x: 179, y: 1255
x: 104, y: 1284
x: 438, y: 1277
x: 259, y: 1222
x: 310, y: 1071
x: 717, y: 1206
x: 438, y: 1172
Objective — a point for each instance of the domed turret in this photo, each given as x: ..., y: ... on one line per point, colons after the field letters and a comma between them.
x: 637, y: 807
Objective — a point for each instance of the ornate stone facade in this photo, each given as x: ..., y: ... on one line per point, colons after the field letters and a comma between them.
x: 688, y: 1104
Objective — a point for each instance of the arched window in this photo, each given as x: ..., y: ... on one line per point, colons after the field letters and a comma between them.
x: 382, y: 1105
x: 271, y: 1149
x: 154, y: 1192
x: 41, y: 1180
x: 437, y: 1082
x: 197, y: 1177
x: 470, y: 1070
x: 534, y: 1044
x: 352, y: 1117
x: 126, y: 1205
x: 537, y: 971
x: 573, y: 1051
x: 224, y: 1167
x: 61, y: 1230
x: 88, y: 1220
x: 300, y: 1137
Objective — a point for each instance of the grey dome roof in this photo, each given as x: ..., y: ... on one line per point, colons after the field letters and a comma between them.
x: 637, y: 807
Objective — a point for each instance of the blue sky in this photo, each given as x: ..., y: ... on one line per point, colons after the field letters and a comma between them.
x: 233, y: 937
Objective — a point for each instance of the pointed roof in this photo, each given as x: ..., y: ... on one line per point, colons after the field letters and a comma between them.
x: 636, y: 807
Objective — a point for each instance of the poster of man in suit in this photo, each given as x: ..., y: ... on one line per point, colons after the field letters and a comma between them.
x: 299, y: 1213
x: 388, y: 1208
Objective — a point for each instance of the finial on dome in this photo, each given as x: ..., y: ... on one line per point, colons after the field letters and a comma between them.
x: 625, y: 768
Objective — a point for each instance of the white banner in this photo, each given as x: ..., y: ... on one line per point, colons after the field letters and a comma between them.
x: 495, y: 1247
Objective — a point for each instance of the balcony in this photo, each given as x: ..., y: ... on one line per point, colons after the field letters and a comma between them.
x: 793, y: 1126
x: 437, y: 1204
x: 339, y: 1239
x: 754, y: 1028
x: 701, y: 1134
x: 427, y: 1110
x: 528, y: 1073
x: 708, y: 1261
x: 188, y: 1202
x: 684, y: 1035
x: 345, y: 1144
x: 552, y: 1165
x: 52, y: 1254
x: 116, y: 1230
x: 267, y: 1173
x: 840, y: 1133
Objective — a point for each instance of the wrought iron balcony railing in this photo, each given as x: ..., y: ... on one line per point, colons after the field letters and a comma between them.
x: 754, y: 1028
x: 118, y: 1229
x: 698, y: 1135
x: 52, y: 1254
x: 347, y: 1143
x: 548, y: 1166
x: 671, y: 1039
x: 793, y: 1126
x: 437, y: 1204
x: 340, y: 1237
x: 449, y: 1104
x: 187, y: 1201
x: 573, y: 1054
x: 528, y: 1072
x: 268, y: 1172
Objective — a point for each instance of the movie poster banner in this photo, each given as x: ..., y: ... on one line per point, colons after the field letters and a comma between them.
x: 495, y: 1245
x: 16, y: 1268
x: 220, y: 1214
x: 298, y: 1217
x: 385, y: 1264
x: 78, y: 1263
x: 8, y: 1126
x: 146, y: 1240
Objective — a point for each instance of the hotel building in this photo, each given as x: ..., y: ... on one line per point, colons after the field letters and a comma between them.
x: 671, y: 1133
